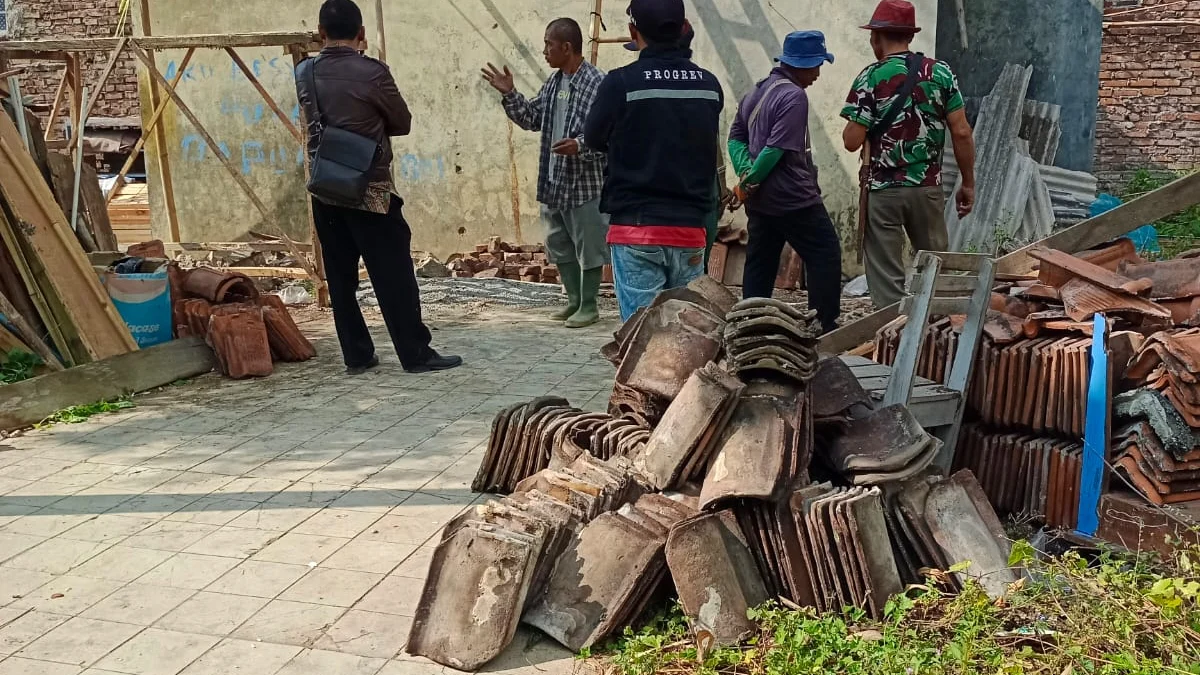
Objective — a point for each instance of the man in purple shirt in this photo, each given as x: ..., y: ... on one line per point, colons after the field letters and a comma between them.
x: 772, y: 154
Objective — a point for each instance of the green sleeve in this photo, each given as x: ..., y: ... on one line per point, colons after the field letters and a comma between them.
x: 763, y: 165
x: 739, y: 153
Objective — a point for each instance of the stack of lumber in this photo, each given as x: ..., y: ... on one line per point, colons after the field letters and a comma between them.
x: 129, y: 213
x: 51, y: 299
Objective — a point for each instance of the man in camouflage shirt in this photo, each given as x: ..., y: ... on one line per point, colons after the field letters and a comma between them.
x: 905, y: 158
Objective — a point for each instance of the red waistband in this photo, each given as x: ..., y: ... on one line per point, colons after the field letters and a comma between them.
x: 656, y: 235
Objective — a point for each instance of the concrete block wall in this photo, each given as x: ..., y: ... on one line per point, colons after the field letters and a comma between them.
x: 41, y: 19
x: 1149, y: 114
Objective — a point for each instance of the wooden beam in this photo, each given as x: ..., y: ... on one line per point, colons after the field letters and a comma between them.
x: 101, y: 329
x: 323, y: 300
x: 597, y: 21
x: 148, y: 128
x: 56, y: 104
x: 266, y: 96
x: 163, y: 155
x: 39, y: 48
x: 233, y: 246
x: 31, y: 401
x: 77, y: 132
x: 1161, y: 203
x: 267, y: 214
x: 28, y: 335
x: 281, y: 272
x: 381, y: 35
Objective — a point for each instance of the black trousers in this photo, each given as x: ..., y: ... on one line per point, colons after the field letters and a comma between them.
x: 813, y: 236
x: 383, y: 243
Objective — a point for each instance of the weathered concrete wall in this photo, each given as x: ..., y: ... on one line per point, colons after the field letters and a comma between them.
x: 466, y: 173
x: 1059, y: 38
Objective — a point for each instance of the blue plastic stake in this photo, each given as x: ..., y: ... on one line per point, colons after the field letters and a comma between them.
x: 1095, y: 435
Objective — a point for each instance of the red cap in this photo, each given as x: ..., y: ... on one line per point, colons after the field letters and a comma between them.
x: 897, y: 16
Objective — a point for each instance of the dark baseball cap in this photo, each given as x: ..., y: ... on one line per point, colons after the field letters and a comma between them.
x: 658, y: 20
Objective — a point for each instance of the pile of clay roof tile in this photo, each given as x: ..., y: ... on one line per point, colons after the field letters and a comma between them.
x: 1158, y: 449
x: 578, y: 553
x: 548, y: 433
x: 248, y: 332
x: 714, y: 492
x: 882, y: 446
x: 936, y: 522
x: 1169, y: 361
x: 1026, y: 476
x: 763, y: 336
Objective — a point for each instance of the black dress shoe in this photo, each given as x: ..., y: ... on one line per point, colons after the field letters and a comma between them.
x: 359, y: 370
x: 435, y: 362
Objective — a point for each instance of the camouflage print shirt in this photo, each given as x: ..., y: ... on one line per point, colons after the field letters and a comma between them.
x: 910, y: 153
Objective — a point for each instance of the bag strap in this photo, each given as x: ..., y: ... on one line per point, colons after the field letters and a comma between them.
x: 763, y: 99
x: 913, y: 62
x: 311, y: 76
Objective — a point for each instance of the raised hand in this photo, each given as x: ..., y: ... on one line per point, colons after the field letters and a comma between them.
x: 501, y: 81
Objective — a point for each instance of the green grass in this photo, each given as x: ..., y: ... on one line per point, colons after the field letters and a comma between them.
x: 17, y: 365
x: 1178, y: 233
x: 81, y: 413
x: 1114, y: 616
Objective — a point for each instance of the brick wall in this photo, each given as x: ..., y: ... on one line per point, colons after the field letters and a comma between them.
x: 37, y: 19
x: 1149, y: 113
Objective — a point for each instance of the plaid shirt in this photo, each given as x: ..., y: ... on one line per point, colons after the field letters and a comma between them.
x: 575, y: 180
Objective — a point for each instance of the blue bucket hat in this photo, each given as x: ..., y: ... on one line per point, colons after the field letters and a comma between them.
x: 805, y: 49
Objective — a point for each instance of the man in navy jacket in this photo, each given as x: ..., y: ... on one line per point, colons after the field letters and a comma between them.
x: 658, y: 119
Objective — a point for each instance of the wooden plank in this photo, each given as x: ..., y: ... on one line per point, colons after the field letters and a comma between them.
x: 854, y: 334
x: 267, y: 215
x: 62, y: 181
x: 960, y: 262
x: 62, y: 334
x: 266, y: 96
x: 32, y: 401
x: 28, y: 334
x: 1161, y: 203
x: 77, y: 132
x: 913, y: 334
x: 29, y: 199
x: 36, y: 48
x: 56, y: 105
x: 148, y: 127
x: 163, y: 157
x: 959, y: 377
x: 940, y: 306
x: 220, y: 246
x: 318, y: 254
x: 281, y: 273
x: 958, y: 284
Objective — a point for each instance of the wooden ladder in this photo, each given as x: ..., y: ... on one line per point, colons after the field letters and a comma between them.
x: 943, y: 284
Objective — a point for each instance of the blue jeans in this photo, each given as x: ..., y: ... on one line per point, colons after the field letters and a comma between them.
x: 642, y: 272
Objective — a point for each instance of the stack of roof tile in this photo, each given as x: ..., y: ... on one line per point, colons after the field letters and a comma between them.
x: 501, y: 560
x: 681, y: 447
x: 529, y: 437
x: 1158, y: 451
x: 1169, y: 361
x: 769, y: 338
x: 1026, y: 476
x: 937, y: 522
x: 608, y: 573
x: 827, y: 547
x: 765, y: 449
x: 238, y: 336
x: 883, y: 446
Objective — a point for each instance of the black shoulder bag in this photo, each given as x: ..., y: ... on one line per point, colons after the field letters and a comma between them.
x: 340, y: 168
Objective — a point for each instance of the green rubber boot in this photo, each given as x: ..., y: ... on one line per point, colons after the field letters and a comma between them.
x: 570, y: 274
x: 588, y: 313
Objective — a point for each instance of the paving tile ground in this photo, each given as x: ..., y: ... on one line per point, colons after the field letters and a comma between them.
x: 275, y: 526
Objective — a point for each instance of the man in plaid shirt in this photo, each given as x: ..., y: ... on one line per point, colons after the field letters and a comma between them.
x: 570, y: 175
